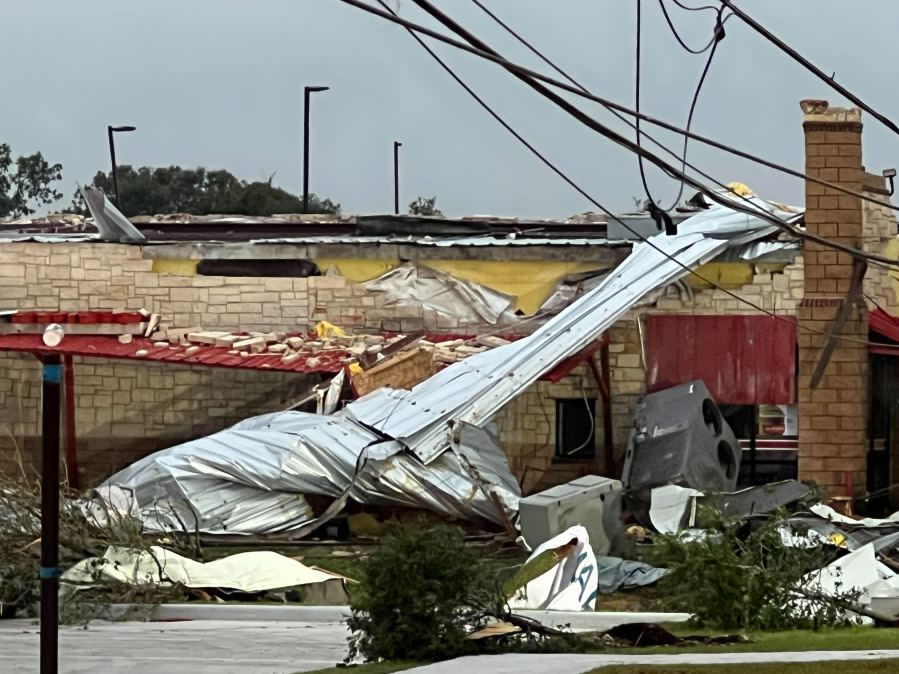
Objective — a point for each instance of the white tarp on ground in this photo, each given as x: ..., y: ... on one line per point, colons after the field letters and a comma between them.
x: 571, y: 585
x: 252, y: 477
x: 255, y: 571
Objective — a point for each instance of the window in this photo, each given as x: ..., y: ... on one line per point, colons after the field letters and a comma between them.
x: 576, y: 428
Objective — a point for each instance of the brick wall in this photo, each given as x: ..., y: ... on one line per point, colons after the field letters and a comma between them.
x: 832, y: 416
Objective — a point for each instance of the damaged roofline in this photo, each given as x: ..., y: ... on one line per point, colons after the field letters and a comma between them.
x: 610, y: 254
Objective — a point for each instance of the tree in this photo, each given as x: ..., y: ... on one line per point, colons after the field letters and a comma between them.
x: 147, y: 191
x: 425, y: 206
x: 29, y: 180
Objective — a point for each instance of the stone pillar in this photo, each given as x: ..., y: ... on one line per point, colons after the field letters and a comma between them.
x: 833, y: 416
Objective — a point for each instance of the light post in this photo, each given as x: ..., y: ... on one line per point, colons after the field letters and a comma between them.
x: 306, y: 92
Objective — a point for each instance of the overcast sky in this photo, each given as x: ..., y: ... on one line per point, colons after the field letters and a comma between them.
x: 219, y: 84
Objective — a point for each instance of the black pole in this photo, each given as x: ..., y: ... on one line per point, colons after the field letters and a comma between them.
x: 49, y: 572
x: 396, y: 176
x: 306, y: 150
x: 115, y: 177
x: 306, y: 92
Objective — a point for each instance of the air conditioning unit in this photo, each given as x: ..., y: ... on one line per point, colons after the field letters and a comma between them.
x: 591, y: 501
x: 681, y: 438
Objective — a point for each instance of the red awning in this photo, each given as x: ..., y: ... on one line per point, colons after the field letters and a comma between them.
x: 329, y: 361
x: 743, y: 359
x: 887, y: 326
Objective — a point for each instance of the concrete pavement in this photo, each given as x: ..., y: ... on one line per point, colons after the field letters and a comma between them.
x: 578, y: 664
x: 195, y: 647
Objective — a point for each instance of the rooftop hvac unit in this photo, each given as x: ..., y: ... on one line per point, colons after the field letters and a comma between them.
x: 679, y: 437
x: 592, y: 501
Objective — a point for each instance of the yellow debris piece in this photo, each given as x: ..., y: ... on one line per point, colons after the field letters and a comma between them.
x: 740, y: 189
x: 325, y: 329
x: 355, y: 368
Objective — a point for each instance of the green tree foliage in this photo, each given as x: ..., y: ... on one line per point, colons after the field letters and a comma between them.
x: 147, y: 191
x: 26, y: 182
x: 425, y: 206
x: 743, y: 577
x: 417, y: 594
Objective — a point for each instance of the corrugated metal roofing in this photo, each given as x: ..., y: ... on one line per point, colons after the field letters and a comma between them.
x: 462, y: 242
x: 105, y: 346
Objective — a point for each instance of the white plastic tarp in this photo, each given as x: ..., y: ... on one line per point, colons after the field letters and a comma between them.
x: 668, y: 505
x: 571, y: 585
x: 254, y: 571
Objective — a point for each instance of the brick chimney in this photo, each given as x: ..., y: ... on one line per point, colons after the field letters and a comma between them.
x: 833, y: 415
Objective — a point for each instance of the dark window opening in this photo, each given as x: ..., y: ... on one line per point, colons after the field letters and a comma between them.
x: 576, y: 428
x: 257, y: 268
x: 756, y: 425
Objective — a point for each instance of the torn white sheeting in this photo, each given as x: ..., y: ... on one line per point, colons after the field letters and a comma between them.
x: 571, y: 585
x: 109, y: 221
x: 327, y: 398
x: 475, y: 389
x: 255, y: 571
x: 668, y: 506
x: 857, y: 571
x: 884, y: 596
x: 465, y: 301
x: 829, y: 513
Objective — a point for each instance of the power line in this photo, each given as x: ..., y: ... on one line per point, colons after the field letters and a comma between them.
x: 808, y: 65
x: 596, y: 203
x: 605, y: 131
x: 716, y: 38
x: 680, y: 40
x: 583, y: 93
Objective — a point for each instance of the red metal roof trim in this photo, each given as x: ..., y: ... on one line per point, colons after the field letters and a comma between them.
x: 104, y: 346
x: 330, y: 362
x: 885, y: 325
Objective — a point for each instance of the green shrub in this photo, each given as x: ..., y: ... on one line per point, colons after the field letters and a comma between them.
x: 418, y: 593
x: 744, y: 577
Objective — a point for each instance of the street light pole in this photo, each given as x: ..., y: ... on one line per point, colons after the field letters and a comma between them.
x: 396, y: 176
x: 306, y: 92
x: 49, y: 569
x: 115, y: 176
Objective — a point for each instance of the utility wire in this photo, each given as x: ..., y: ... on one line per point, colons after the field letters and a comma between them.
x: 516, y: 68
x: 680, y: 40
x: 716, y: 38
x: 694, y: 9
x: 521, y: 73
x: 808, y: 65
x: 605, y: 210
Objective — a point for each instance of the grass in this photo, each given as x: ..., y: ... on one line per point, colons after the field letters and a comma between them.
x: 840, y: 667
x: 846, y: 639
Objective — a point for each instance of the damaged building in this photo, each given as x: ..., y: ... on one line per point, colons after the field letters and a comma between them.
x: 801, y: 403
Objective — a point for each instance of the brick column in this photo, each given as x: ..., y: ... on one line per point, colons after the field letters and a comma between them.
x: 833, y: 416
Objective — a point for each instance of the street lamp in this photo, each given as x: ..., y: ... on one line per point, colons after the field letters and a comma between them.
x: 306, y: 92
x: 115, y: 178
x: 396, y: 176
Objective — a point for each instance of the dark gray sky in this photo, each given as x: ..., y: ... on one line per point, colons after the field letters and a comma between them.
x: 220, y: 84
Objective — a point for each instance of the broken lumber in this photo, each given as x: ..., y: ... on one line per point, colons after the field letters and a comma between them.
x: 254, y: 344
x: 205, y: 337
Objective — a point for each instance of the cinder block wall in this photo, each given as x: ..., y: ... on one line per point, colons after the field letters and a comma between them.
x: 833, y: 416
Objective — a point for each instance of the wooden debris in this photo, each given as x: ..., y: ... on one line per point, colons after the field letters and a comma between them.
x: 357, y: 349
x: 254, y: 344
x: 151, y: 325
x: 313, y: 362
x: 205, y: 337
x: 295, y: 342
x: 452, y: 344
x: 491, y: 341
x: 160, y: 344
x: 468, y: 350
x: 278, y: 348
x: 371, y: 340
x: 191, y: 349
x: 290, y: 357
x: 126, y: 338
x: 444, y: 357
x: 228, y: 340
x: 404, y: 370
x: 177, y: 334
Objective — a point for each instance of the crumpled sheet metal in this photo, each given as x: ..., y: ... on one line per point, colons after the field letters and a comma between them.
x: 252, y: 477
x: 465, y: 301
x: 475, y: 389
